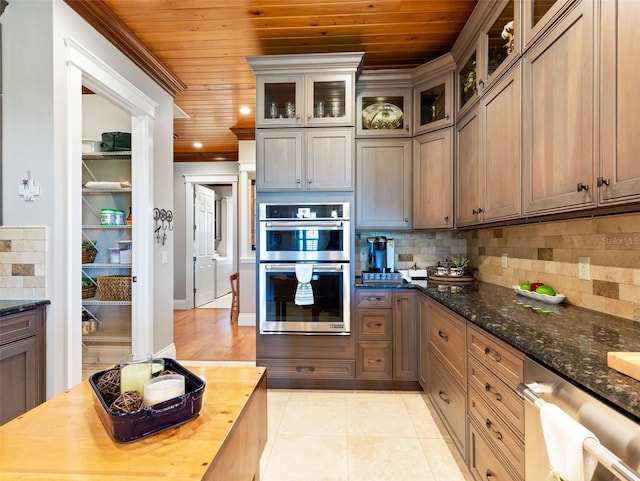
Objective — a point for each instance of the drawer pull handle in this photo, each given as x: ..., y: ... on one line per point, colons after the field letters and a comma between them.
x: 375, y: 324
x: 374, y: 299
x: 496, y: 357
x: 442, y: 396
x: 305, y: 368
x: 374, y: 361
x: 491, y: 428
x: 488, y: 474
x: 497, y: 395
x: 443, y: 335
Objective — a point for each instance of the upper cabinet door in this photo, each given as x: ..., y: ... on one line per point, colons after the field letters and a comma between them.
x: 467, y: 75
x: 619, y: 178
x: 279, y: 101
x: 384, y: 113
x: 433, y: 99
x: 558, y: 116
x: 329, y: 99
x: 537, y: 15
x: 500, y: 41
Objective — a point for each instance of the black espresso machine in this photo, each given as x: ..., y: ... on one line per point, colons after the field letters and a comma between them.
x: 381, y: 253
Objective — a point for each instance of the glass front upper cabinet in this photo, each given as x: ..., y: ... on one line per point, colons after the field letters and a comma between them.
x: 434, y: 103
x: 329, y: 99
x: 501, y: 43
x: 279, y: 101
x: 537, y: 15
x: 384, y: 113
x: 467, y: 81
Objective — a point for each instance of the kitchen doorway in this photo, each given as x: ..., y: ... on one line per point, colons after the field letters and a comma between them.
x: 224, y: 235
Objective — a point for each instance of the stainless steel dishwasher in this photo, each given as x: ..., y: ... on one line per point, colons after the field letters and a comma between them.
x: 619, y: 435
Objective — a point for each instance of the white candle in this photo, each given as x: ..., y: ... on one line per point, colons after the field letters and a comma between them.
x: 134, y: 376
x: 163, y: 388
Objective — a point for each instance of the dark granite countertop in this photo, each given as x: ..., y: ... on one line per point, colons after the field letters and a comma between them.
x: 571, y: 340
x: 11, y: 306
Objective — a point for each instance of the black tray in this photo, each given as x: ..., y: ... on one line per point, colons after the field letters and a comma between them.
x: 128, y: 427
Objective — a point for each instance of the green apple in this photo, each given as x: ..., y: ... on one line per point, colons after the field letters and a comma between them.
x: 525, y: 286
x: 545, y: 289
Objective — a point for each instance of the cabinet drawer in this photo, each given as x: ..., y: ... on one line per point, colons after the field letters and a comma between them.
x: 496, y: 355
x: 497, y: 431
x: 495, y: 393
x: 483, y: 462
x: 374, y: 360
x: 374, y: 324
x: 447, y: 338
x: 373, y: 298
x: 450, y: 401
x: 309, y: 368
x: 20, y: 325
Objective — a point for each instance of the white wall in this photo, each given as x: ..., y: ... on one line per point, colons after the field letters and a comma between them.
x: 35, y: 132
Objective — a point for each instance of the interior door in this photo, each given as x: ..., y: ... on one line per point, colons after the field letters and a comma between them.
x: 203, y: 246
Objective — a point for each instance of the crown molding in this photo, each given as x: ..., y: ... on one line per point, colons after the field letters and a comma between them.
x: 102, y: 18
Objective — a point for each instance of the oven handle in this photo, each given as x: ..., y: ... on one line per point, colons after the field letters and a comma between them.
x: 605, y: 457
x: 291, y: 267
x: 315, y: 223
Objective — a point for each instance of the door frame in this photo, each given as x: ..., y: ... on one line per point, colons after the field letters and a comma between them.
x: 209, y: 179
x: 84, y: 68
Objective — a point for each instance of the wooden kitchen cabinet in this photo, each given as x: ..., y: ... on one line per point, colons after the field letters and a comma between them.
x: 384, y: 112
x: 488, y: 169
x: 22, y: 362
x: 405, y: 342
x: 467, y: 75
x: 433, y: 99
x: 423, y: 341
x: 304, y: 159
x: 495, y: 409
x: 433, y: 180
x: 447, y: 369
x: 559, y: 128
x: 386, y: 343
x: 619, y: 176
x: 538, y: 15
x: 383, y: 184
x: 316, y: 90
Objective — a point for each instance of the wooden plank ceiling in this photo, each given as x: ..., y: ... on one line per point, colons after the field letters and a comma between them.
x: 205, y: 42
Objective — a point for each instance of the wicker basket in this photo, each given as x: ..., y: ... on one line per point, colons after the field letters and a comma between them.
x: 114, y: 288
x: 88, y: 257
x: 88, y: 292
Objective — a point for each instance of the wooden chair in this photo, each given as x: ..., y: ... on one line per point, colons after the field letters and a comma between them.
x: 235, y: 297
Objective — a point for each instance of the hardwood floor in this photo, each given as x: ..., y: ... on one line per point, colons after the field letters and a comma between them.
x: 208, y: 335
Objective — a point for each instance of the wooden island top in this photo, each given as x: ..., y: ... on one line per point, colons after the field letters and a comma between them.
x: 64, y: 439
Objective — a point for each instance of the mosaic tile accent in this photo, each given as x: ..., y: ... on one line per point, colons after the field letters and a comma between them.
x: 23, y: 257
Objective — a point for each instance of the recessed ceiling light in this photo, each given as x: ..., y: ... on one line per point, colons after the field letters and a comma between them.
x: 245, y: 110
x: 197, y: 145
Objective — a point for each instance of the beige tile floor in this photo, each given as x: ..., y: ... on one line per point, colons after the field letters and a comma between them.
x: 356, y: 436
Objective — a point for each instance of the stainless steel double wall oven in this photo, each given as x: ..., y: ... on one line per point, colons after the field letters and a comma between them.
x: 304, y: 233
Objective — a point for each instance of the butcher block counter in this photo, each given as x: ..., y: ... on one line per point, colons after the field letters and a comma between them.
x: 64, y: 439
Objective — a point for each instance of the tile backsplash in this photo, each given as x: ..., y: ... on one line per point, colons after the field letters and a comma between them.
x: 23, y: 258
x: 420, y: 249
x: 549, y: 252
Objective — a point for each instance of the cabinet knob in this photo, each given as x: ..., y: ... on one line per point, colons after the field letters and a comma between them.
x: 488, y: 474
x: 406, y: 219
x: 446, y: 218
x: 582, y: 187
x: 297, y: 181
x: 481, y: 83
x: 480, y: 210
x: 309, y: 181
x: 602, y: 181
x: 446, y: 116
x: 406, y: 127
x: 474, y: 212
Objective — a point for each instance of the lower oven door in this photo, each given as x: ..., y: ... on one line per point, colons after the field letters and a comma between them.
x: 329, y: 313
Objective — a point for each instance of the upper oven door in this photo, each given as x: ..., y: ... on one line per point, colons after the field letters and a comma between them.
x: 305, y: 239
